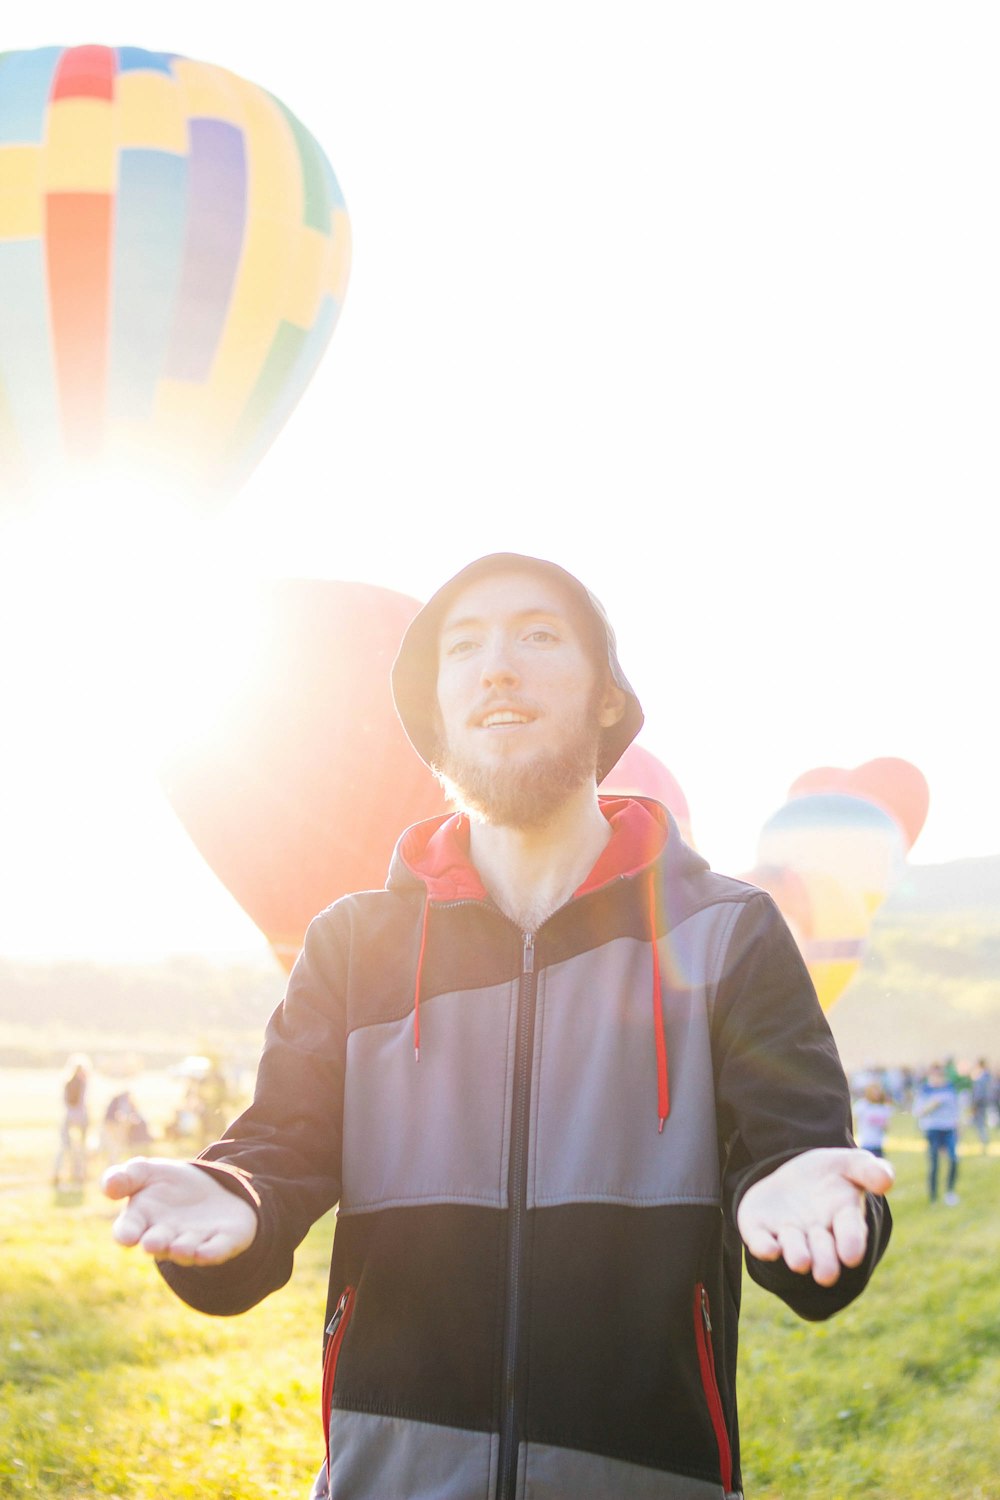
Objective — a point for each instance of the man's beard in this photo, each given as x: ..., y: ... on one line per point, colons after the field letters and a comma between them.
x: 522, y: 794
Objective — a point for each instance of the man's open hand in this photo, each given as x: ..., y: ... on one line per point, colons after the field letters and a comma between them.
x: 811, y: 1210
x: 177, y: 1212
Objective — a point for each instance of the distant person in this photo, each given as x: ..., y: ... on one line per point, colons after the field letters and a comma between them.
x: 124, y: 1127
x: 75, y: 1124
x: 560, y: 1077
x: 983, y: 1087
x: 872, y: 1114
x: 186, y: 1124
x: 214, y: 1095
x: 936, y: 1109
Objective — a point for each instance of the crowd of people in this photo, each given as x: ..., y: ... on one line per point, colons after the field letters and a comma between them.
x: 123, y: 1128
x: 943, y: 1098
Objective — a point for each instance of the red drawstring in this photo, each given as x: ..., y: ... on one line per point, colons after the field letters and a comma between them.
x: 662, y: 1080
x: 416, y: 988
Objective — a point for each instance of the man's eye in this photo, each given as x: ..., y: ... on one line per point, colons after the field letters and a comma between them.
x: 457, y: 648
x: 542, y: 634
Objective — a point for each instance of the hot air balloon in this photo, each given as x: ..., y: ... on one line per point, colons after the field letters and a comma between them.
x: 895, y: 785
x: 834, y: 834
x: 831, y: 855
x: 828, y: 921
x: 297, y: 788
x: 174, y: 252
x: 640, y: 774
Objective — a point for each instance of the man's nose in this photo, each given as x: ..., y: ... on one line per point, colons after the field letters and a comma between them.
x: 498, y: 669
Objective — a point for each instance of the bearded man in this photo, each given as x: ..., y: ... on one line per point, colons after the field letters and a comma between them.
x: 560, y: 1078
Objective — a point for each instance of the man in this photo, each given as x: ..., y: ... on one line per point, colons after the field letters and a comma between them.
x: 937, y: 1110
x: 552, y: 1074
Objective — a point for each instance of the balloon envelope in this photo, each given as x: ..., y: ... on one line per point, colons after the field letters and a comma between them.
x: 828, y: 921
x: 639, y: 774
x: 298, y: 789
x: 895, y: 785
x: 174, y: 252
x: 834, y: 834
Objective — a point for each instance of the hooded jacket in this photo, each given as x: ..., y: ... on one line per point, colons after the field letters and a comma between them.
x: 538, y: 1143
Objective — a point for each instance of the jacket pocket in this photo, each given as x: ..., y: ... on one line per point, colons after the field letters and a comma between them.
x: 335, y: 1332
x: 710, y: 1384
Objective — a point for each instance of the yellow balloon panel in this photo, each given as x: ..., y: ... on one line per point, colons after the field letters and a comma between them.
x: 150, y: 111
x: 21, y: 200
x: 831, y: 978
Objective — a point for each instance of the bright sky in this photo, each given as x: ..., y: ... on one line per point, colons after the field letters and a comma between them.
x: 699, y: 299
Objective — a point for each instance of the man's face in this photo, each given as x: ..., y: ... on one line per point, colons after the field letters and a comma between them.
x: 520, y: 703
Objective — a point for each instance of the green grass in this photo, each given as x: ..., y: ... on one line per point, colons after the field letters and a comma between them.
x: 896, y: 1396
x: 111, y: 1387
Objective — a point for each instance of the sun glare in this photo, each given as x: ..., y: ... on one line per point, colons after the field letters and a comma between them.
x: 122, y: 626
x: 130, y: 626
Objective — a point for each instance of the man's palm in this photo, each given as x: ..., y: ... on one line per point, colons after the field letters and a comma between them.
x: 811, y: 1211
x: 177, y: 1212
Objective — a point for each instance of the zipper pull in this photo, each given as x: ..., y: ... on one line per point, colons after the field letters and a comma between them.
x: 706, y: 1316
x: 529, y: 953
x: 338, y: 1314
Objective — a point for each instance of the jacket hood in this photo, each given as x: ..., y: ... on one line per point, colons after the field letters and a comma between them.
x: 434, y: 854
x: 414, y: 672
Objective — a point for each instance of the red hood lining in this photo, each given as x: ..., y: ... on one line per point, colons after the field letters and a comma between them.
x: 437, y: 852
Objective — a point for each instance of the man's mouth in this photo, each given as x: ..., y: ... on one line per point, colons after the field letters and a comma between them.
x: 502, y: 716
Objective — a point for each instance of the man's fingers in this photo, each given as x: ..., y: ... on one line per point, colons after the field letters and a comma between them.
x: 167, y: 1243
x: 127, y: 1177
x: 823, y: 1256
x: 130, y: 1226
x: 158, y: 1239
x: 216, y: 1249
x: 850, y: 1233
x: 794, y: 1247
x: 761, y: 1242
x: 872, y: 1173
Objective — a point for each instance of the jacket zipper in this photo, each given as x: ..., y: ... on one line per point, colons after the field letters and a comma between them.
x: 335, y: 1332
x: 710, y: 1384
x: 517, y: 1192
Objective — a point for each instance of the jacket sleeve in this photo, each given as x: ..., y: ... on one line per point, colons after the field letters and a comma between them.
x: 781, y: 1090
x: 283, y: 1154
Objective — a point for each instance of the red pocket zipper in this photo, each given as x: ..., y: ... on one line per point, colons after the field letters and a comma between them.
x: 335, y: 1337
x: 710, y: 1385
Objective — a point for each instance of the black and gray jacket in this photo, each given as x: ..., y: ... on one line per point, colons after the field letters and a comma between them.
x: 538, y: 1142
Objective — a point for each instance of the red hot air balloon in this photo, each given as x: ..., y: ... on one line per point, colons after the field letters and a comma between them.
x: 640, y: 774
x: 297, y: 791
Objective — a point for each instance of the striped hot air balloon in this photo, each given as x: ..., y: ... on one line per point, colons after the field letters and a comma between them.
x: 174, y: 252
x: 832, y: 854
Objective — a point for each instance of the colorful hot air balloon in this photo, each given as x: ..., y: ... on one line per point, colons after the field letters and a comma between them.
x: 297, y: 788
x: 834, y: 834
x: 828, y: 921
x: 640, y: 774
x: 895, y: 785
x: 174, y: 252
x: 831, y: 855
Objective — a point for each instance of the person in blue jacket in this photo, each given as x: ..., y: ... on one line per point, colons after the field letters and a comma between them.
x: 937, y: 1110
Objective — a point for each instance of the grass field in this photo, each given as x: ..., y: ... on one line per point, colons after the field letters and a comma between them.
x: 111, y: 1387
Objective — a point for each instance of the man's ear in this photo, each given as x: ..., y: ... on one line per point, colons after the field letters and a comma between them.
x: 612, y: 706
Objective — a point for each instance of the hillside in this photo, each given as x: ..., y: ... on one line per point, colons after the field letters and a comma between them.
x: 930, y: 982
x: 960, y: 888
x: 164, y: 1010
x: 929, y: 986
